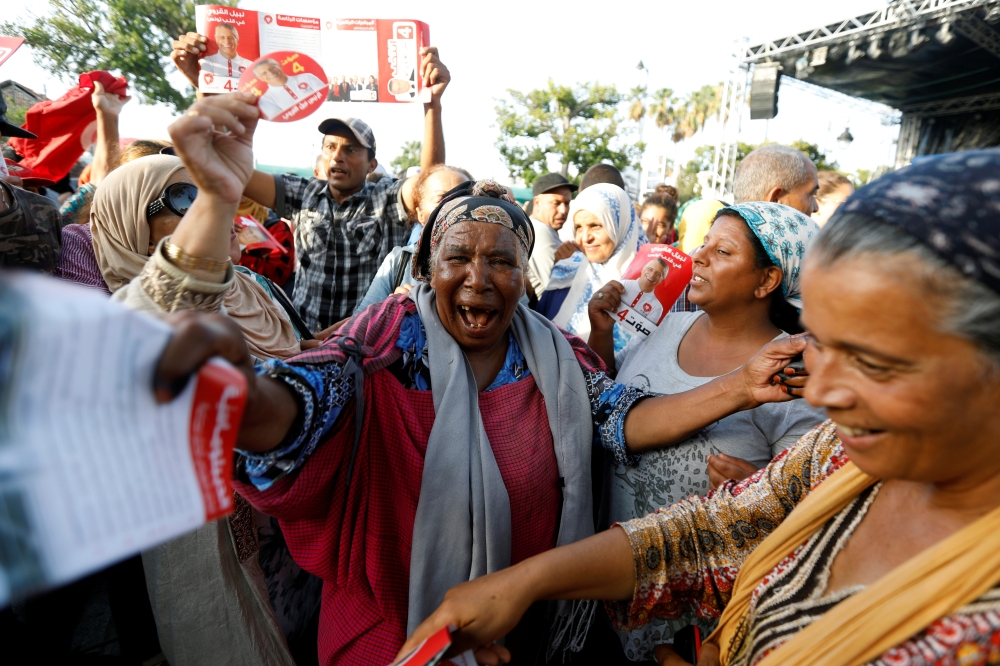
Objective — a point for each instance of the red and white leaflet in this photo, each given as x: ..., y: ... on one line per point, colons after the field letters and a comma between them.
x: 255, y: 236
x: 365, y: 59
x: 8, y: 45
x: 653, y: 281
x: 431, y: 652
x: 92, y: 469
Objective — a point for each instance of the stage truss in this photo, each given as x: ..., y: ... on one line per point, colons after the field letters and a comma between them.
x: 849, y: 38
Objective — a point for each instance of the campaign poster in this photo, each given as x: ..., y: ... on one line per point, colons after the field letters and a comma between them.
x: 366, y: 60
x: 289, y: 85
x: 233, y: 45
x: 653, y: 281
x: 8, y: 45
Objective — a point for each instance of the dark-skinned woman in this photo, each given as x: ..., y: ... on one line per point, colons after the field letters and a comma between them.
x: 746, y: 285
x: 876, y: 538
x: 441, y: 435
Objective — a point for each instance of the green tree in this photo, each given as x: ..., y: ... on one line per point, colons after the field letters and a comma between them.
x: 818, y: 157
x: 131, y: 36
x: 703, y: 160
x: 662, y: 109
x: 409, y: 157
x: 580, y: 124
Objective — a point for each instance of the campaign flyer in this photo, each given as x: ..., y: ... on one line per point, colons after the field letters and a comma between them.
x: 289, y: 85
x: 653, y: 281
x: 365, y: 60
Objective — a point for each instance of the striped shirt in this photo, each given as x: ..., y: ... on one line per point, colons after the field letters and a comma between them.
x: 339, y: 247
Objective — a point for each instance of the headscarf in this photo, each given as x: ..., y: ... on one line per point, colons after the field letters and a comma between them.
x: 950, y: 203
x: 121, y: 239
x: 785, y: 234
x: 479, y: 201
x: 612, y: 206
x: 694, y: 222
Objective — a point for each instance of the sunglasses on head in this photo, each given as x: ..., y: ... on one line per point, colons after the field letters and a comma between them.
x: 176, y: 198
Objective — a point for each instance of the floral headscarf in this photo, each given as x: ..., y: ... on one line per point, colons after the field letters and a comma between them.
x: 479, y: 201
x: 785, y: 234
x: 949, y: 203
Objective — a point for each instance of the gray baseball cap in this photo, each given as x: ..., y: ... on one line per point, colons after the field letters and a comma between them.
x: 358, y: 128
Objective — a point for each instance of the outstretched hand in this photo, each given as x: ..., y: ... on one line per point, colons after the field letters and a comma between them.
x: 107, y: 103
x: 214, y: 139
x: 768, y: 378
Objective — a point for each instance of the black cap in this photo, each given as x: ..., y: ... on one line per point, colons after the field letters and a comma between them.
x: 6, y: 129
x: 549, y: 182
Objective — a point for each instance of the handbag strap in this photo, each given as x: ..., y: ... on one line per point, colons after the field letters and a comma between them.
x: 405, y: 256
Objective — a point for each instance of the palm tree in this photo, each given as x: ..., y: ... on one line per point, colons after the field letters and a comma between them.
x: 637, y: 108
x: 662, y: 108
x: 697, y: 108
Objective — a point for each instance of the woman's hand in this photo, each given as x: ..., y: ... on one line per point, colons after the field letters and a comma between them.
x: 199, y: 336
x: 722, y: 468
x: 603, y: 306
x: 214, y: 139
x: 766, y: 376
x: 481, y: 611
x: 187, y: 51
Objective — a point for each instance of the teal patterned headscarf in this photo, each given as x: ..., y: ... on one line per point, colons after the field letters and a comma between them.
x: 785, y: 234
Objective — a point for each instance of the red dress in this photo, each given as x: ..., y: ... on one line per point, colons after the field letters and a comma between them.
x: 364, y: 560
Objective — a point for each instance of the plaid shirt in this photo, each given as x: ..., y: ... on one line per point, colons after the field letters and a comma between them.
x: 339, y: 247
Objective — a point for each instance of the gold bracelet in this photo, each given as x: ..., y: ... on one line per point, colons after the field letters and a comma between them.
x: 186, y: 262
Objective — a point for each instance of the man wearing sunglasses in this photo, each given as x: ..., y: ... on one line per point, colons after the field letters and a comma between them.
x: 343, y: 226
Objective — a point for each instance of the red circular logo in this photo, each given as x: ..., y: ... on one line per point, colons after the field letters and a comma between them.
x: 268, y: 19
x: 646, y: 307
x: 208, y: 77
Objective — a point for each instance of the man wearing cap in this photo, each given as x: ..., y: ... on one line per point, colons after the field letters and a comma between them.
x: 29, y: 223
x: 344, y: 227
x: 550, y: 208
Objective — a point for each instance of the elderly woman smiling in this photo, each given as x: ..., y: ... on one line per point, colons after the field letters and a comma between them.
x: 875, y: 539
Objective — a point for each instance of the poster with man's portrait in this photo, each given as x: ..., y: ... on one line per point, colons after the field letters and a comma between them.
x: 653, y: 282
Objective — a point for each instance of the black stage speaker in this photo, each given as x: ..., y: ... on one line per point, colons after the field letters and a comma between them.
x: 764, y: 91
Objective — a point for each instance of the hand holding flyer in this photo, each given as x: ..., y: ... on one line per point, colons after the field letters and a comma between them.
x: 431, y: 652
x: 92, y: 468
x: 653, y: 281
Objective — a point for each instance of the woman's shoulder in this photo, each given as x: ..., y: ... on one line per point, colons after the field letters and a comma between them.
x: 588, y: 358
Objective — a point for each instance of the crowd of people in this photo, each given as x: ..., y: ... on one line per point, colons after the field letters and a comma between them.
x: 447, y: 425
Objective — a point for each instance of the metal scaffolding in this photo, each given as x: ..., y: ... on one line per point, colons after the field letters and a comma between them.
x: 853, y: 38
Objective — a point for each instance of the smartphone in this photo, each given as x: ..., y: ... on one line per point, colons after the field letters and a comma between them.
x: 687, y: 643
x: 797, y: 364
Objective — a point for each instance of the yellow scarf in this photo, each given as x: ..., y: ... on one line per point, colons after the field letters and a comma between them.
x: 927, y: 587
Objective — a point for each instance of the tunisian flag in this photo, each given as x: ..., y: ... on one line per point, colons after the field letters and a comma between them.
x: 65, y: 127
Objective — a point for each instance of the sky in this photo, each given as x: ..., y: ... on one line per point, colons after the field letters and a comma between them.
x: 521, y: 44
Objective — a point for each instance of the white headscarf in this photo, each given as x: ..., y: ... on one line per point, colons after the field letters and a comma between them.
x: 612, y: 206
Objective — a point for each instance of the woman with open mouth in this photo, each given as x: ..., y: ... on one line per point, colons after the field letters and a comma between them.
x: 442, y: 435
x: 876, y: 538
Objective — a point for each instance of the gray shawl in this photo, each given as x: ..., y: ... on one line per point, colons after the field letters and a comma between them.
x: 462, y: 528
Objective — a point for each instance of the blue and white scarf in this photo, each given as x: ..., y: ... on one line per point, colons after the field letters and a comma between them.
x: 785, y: 234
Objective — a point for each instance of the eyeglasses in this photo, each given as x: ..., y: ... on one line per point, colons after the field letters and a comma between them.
x: 176, y: 198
